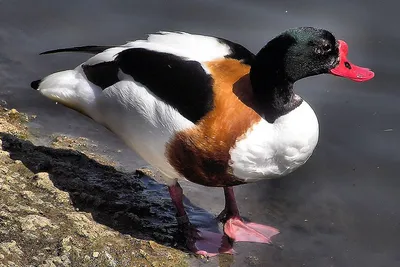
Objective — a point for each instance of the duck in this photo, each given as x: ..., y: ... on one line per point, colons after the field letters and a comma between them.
x: 207, y: 110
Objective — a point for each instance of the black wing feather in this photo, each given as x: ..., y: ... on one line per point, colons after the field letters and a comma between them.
x: 238, y: 52
x: 181, y: 83
x: 91, y: 49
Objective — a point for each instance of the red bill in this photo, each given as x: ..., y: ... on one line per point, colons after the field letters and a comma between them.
x: 349, y: 70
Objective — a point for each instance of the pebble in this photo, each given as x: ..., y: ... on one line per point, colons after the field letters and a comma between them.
x: 111, y: 261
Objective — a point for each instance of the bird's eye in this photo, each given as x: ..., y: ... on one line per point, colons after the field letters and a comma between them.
x: 327, y: 47
x: 318, y: 50
x: 323, y: 49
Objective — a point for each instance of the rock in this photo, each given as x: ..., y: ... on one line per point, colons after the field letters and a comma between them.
x: 10, y: 248
x: 4, y: 153
x: 13, y: 111
x: 40, y: 224
x: 110, y: 260
x: 21, y: 186
x: 85, y: 228
x: 43, y: 181
x: 10, y: 180
x: 5, y: 215
x: 86, y: 258
x: 57, y: 261
x: 66, y: 245
x: 35, y: 222
x: 3, y: 169
x: 61, y: 196
x: 5, y: 187
x: 15, y: 175
x: 29, y: 195
x: 22, y: 209
x: 11, y: 264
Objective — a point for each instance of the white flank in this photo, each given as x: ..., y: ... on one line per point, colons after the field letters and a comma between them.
x: 273, y: 150
x: 142, y: 121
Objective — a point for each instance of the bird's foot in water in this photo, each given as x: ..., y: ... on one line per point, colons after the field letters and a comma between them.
x: 205, y: 243
x: 241, y: 231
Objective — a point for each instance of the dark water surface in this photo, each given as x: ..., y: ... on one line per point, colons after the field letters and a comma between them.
x: 342, y: 207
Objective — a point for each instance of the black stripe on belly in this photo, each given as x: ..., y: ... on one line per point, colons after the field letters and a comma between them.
x: 181, y: 83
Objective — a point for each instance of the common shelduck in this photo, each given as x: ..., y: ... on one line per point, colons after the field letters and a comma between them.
x: 207, y: 110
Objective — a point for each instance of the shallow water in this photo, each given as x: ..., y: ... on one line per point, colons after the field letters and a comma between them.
x: 341, y: 208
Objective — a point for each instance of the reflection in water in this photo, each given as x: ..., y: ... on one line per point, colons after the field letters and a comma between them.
x: 338, y: 210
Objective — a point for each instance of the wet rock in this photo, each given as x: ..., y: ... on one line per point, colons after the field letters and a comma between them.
x: 61, y: 207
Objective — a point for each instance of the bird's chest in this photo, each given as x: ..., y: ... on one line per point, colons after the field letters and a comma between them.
x: 270, y: 150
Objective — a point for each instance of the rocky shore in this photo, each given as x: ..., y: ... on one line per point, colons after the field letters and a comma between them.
x: 62, y: 205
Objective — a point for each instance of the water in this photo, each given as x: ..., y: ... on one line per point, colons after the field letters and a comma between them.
x: 341, y: 209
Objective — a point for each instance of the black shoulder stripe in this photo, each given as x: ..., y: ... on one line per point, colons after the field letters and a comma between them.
x: 181, y: 83
x: 102, y: 74
x: 239, y: 52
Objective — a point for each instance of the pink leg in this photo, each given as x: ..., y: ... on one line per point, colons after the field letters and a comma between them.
x: 199, y: 241
x: 237, y: 229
